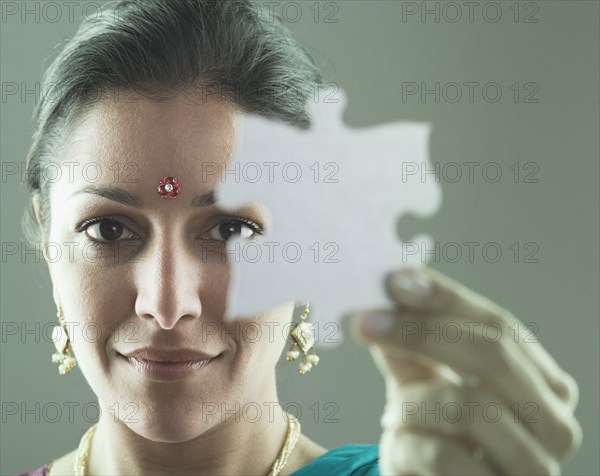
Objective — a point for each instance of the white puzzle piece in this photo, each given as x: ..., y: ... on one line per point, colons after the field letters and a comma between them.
x: 335, y: 195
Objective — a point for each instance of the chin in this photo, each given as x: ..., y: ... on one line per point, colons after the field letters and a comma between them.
x: 166, y: 418
x: 169, y: 429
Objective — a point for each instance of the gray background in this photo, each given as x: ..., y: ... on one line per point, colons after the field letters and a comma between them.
x: 371, y: 52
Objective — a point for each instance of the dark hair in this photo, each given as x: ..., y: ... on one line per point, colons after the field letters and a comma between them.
x: 161, y: 47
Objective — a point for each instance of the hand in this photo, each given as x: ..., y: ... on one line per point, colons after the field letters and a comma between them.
x: 468, y: 389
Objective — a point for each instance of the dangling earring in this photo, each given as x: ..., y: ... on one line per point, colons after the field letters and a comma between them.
x: 63, y: 356
x: 302, y: 338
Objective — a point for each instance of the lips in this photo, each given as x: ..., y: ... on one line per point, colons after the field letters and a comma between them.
x: 168, y: 365
x: 157, y: 355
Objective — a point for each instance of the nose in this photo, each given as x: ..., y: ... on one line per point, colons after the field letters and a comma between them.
x: 168, y: 284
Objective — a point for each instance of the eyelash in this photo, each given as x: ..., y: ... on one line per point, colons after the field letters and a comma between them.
x: 256, y: 228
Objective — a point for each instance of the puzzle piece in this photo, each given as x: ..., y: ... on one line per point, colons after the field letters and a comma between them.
x: 334, y: 195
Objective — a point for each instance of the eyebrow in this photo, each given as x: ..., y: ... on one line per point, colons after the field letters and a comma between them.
x: 125, y: 197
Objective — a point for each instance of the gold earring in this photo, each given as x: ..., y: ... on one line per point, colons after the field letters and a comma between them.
x: 63, y: 356
x: 302, y: 339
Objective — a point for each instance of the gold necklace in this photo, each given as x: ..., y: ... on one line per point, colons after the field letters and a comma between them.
x: 83, y: 451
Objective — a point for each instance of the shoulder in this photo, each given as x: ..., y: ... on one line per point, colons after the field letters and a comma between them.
x: 43, y: 471
x: 62, y: 466
x: 354, y: 460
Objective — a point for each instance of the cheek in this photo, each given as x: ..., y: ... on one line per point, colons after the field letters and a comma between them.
x: 267, y: 335
x: 93, y: 297
x: 93, y: 303
x: 214, y: 283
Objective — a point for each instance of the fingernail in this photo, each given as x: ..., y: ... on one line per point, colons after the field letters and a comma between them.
x: 414, y: 286
x: 377, y: 323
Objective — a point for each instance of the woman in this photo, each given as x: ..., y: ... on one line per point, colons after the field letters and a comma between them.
x: 148, y: 94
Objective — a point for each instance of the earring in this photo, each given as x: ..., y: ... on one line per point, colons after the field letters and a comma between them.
x: 303, y: 340
x: 63, y: 356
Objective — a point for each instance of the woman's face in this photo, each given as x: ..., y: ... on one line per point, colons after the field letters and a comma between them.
x: 153, y: 273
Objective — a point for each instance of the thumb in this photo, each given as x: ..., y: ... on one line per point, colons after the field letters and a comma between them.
x: 377, y: 329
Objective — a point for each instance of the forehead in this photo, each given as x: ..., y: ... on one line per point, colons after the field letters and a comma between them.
x: 180, y: 136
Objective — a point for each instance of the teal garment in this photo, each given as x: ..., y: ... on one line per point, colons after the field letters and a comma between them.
x: 355, y: 460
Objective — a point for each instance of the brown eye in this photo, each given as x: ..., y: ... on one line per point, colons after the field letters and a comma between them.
x: 224, y: 231
x: 108, y: 230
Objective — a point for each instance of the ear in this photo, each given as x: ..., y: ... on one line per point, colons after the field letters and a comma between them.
x: 37, y: 208
x: 55, y: 295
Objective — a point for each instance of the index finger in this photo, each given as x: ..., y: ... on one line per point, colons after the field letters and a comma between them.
x: 425, y: 290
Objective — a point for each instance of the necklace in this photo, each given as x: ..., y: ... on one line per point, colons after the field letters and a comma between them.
x: 293, y: 433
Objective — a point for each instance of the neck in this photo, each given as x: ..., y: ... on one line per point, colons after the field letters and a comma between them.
x: 238, y: 444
